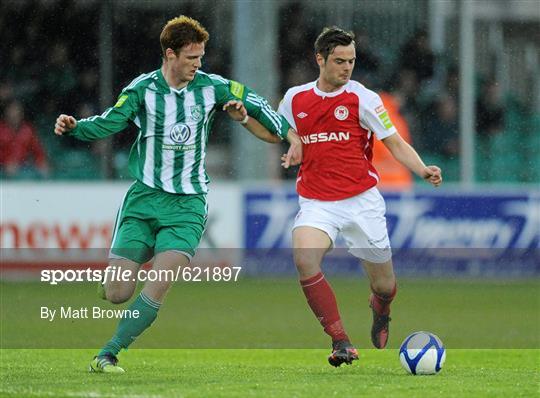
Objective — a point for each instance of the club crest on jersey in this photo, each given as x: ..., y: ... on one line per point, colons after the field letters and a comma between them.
x: 341, y: 112
x: 196, y: 112
x: 180, y: 133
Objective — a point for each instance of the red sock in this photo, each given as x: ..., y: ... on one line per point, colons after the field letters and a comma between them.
x: 323, y: 303
x: 381, y: 302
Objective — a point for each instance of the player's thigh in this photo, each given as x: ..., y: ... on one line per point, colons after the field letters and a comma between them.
x: 134, y: 241
x: 310, y: 245
x: 314, y: 232
x: 365, y: 232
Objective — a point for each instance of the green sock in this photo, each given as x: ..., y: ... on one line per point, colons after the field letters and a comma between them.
x: 129, y: 328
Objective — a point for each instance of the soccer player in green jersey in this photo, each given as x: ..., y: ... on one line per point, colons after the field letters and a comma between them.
x: 164, y: 212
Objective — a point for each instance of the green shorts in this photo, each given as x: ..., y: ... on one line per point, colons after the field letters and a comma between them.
x: 150, y: 221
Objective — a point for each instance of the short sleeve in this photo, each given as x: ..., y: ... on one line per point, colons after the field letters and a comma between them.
x: 285, y: 109
x: 375, y: 117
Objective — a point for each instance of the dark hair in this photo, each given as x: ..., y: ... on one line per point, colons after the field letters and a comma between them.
x: 330, y: 38
x: 182, y: 31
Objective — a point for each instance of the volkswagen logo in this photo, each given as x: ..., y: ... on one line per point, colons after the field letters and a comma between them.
x: 180, y: 133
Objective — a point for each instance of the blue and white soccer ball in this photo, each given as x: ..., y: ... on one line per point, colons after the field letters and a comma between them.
x: 422, y: 353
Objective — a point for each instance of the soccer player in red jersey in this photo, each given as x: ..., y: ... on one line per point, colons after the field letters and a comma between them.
x: 337, y: 119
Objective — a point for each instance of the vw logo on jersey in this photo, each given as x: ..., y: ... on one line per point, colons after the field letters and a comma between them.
x: 180, y: 133
x: 341, y: 112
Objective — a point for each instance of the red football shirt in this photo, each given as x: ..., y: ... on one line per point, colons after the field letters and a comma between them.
x: 337, y: 131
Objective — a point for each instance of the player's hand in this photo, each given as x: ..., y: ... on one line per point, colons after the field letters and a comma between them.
x: 293, y: 157
x: 236, y: 110
x: 64, y: 123
x: 433, y: 175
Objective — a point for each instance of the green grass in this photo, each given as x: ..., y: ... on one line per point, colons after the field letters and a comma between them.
x: 491, y: 330
x: 266, y: 373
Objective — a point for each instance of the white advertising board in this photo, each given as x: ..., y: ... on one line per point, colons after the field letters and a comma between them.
x: 81, y: 215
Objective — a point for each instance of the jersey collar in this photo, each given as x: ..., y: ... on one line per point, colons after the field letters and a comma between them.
x: 332, y: 94
x: 163, y: 85
x: 168, y: 89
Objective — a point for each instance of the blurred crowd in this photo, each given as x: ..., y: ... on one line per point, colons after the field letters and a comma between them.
x: 50, y: 66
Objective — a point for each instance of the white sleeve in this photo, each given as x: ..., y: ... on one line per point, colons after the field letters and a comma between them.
x: 285, y: 109
x: 375, y: 117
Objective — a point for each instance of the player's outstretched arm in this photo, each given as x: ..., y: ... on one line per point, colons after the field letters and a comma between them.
x: 407, y: 156
x: 112, y: 121
x: 64, y: 124
x: 261, y: 132
x: 237, y: 111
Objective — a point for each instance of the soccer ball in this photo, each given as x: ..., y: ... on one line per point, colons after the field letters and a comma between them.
x: 422, y: 353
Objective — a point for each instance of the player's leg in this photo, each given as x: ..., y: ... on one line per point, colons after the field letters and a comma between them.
x: 173, y: 231
x: 367, y: 238
x: 383, y: 287
x: 148, y: 302
x: 131, y: 325
x: 180, y: 222
x: 116, y: 291
x: 310, y: 245
x: 132, y: 245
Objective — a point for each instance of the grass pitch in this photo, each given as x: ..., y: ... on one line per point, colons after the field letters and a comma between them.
x: 259, y: 339
x: 266, y: 373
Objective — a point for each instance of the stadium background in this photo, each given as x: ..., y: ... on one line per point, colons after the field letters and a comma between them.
x: 462, y: 77
x: 461, y: 81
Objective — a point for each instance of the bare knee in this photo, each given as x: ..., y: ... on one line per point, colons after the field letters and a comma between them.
x: 120, y: 291
x: 384, y: 284
x: 118, y: 294
x: 306, y: 263
x: 117, y: 298
x: 384, y: 288
x: 382, y: 278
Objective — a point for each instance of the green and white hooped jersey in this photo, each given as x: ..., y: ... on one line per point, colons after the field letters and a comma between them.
x: 174, y: 125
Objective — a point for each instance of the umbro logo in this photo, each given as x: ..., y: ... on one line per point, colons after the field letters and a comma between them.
x: 301, y: 115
